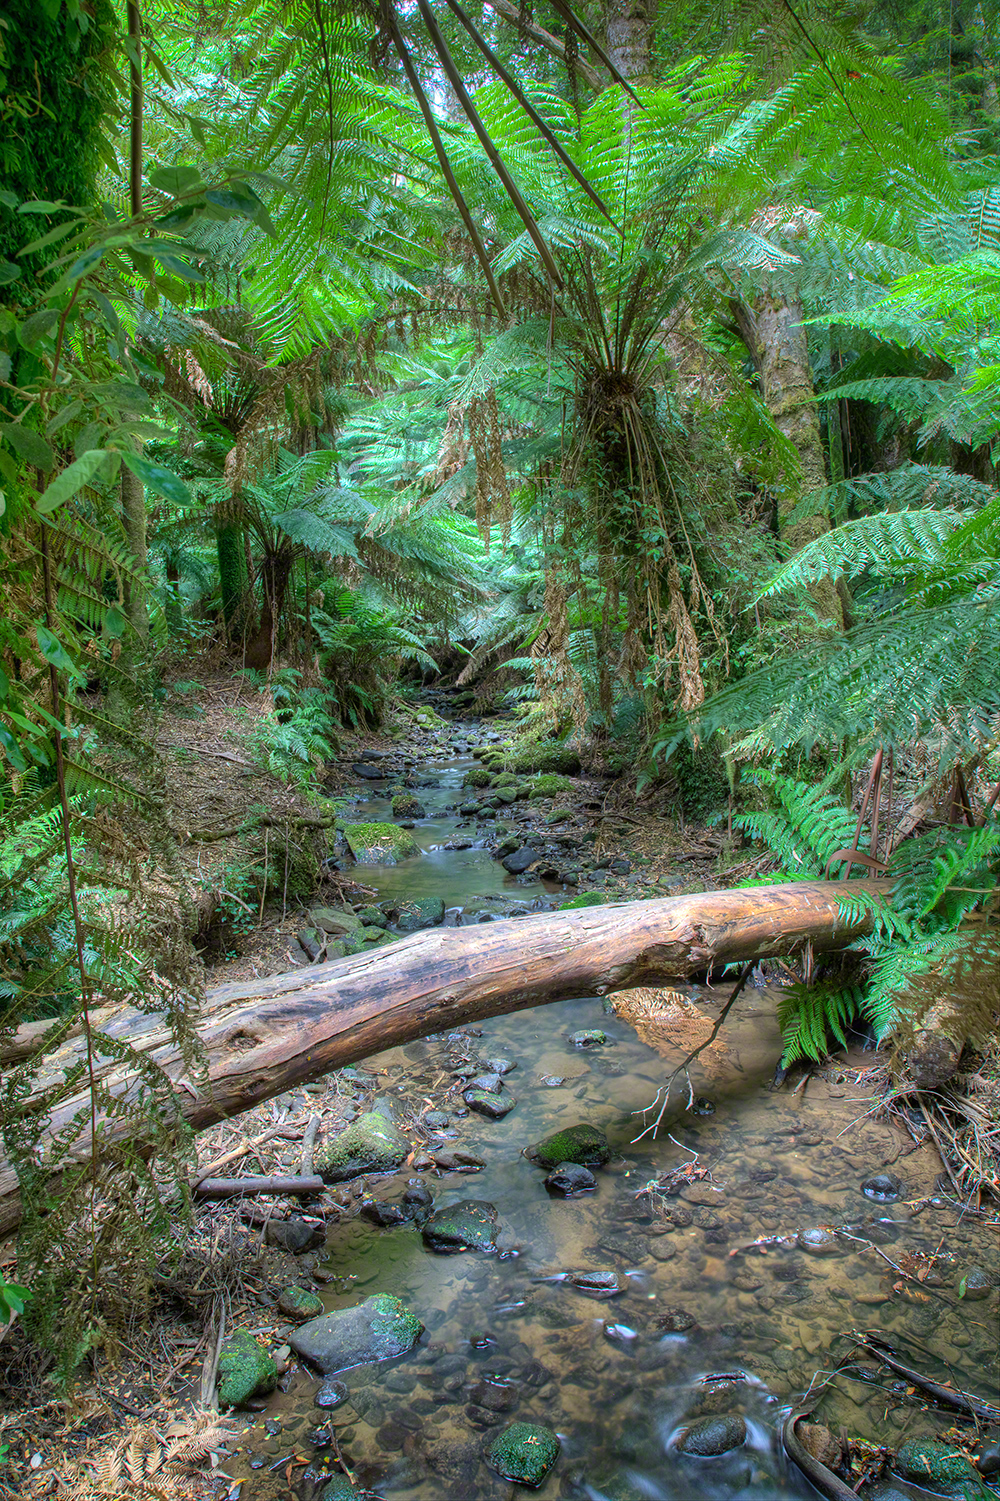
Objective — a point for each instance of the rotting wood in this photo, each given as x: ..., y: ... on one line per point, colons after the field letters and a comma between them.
x: 263, y: 1038
x: 236, y: 1188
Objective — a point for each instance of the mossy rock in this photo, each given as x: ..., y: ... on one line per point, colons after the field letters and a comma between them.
x: 379, y: 843
x: 371, y: 917
x: 297, y: 1303
x: 524, y: 1453
x: 380, y: 1328
x: 584, y: 899
x: 478, y: 777
x: 405, y: 805
x: 504, y: 779
x: 548, y: 756
x: 245, y: 1370
x: 470, y: 1225
x: 371, y: 1144
x: 427, y: 913
x: 935, y: 1465
x: 550, y: 785
x: 334, y: 920
x: 339, y: 1489
x: 582, y: 1143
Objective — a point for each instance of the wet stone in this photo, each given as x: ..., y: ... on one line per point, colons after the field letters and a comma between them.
x: 524, y: 1453
x: 819, y: 1243
x: 589, y: 1038
x: 582, y: 1143
x: 675, y: 1321
x: 436, y: 1119
x: 297, y: 1303
x: 933, y: 1464
x: 598, y: 1284
x: 490, y: 1083
x: 493, y: 1106
x: 519, y: 861
x: 471, y: 1225
x: 713, y: 1436
x: 569, y: 1178
x: 384, y: 1214
x: 296, y: 1234
x: 884, y: 1188
x: 330, y: 1394
x: 245, y: 1370
x: 378, y: 1329
x: 371, y: 1144
x: 500, y: 1066
x: 976, y: 1284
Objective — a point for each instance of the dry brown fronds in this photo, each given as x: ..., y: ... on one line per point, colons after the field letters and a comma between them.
x: 148, y: 1461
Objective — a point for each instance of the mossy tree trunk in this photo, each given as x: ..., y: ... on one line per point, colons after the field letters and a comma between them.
x: 628, y: 28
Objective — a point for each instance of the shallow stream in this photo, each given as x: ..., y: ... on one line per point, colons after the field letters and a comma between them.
x: 618, y: 1377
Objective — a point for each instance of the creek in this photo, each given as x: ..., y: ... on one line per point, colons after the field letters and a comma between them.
x: 702, y: 1326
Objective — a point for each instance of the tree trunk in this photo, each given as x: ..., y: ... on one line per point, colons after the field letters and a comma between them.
x: 263, y: 1038
x: 628, y: 27
x: 553, y: 44
x: 786, y: 374
x: 275, y: 573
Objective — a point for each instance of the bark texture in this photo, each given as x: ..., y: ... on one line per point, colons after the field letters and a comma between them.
x: 628, y: 30
x: 264, y: 1038
x: 553, y: 44
x: 786, y: 374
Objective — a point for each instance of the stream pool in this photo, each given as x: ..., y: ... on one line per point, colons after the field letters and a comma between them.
x: 707, y: 1323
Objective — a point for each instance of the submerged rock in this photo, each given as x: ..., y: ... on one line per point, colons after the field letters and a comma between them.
x: 370, y: 1145
x: 598, y: 1284
x: 819, y: 1242
x: 339, y: 1489
x: 592, y: 1038
x: 933, y: 1464
x: 569, y: 1178
x: 245, y: 1370
x: 377, y: 1329
x: 493, y: 1106
x: 976, y: 1284
x: 524, y: 1453
x: 712, y: 1436
x: 581, y: 1143
x: 330, y: 1394
x: 884, y: 1188
x: 471, y: 1225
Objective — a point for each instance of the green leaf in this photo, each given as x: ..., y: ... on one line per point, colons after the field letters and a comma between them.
x: 175, y: 180
x: 8, y: 273
x: 11, y: 749
x: 114, y: 623
x: 7, y: 198
x: 37, y: 327
x: 4, y: 684
x: 72, y: 479
x: 28, y: 445
x: 161, y: 481
x: 179, y: 268
x: 87, y: 261
x: 54, y: 652
x: 41, y: 206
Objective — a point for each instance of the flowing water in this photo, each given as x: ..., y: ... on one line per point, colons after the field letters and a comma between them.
x: 707, y: 1323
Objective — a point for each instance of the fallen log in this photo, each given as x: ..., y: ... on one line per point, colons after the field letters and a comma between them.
x: 241, y: 1188
x: 263, y: 1038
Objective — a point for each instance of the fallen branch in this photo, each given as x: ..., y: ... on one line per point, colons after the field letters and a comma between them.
x: 308, y: 1144
x: 235, y: 1188
x: 973, y: 1406
x: 265, y: 1037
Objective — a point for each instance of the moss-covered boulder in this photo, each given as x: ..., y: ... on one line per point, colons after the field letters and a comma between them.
x: 547, y: 755
x: 405, y: 805
x: 581, y: 1143
x: 339, y: 1489
x: 524, y: 1453
x: 479, y: 776
x: 550, y: 785
x: 245, y: 1370
x: 371, y: 1144
x: 379, y: 843
x: 583, y: 899
x: 296, y: 1303
x: 415, y: 916
x: 471, y: 1225
x: 935, y: 1465
x: 371, y: 917
x: 380, y: 1328
x: 504, y: 779
x: 334, y: 920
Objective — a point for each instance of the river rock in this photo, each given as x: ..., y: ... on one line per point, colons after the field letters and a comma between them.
x: 933, y: 1464
x: 518, y: 862
x: 339, y: 1489
x: 378, y: 1329
x: 591, y: 1038
x: 330, y: 1394
x: 415, y: 916
x: 501, y: 1066
x: 524, y: 1453
x: 370, y: 1145
x: 405, y: 805
x: 569, y: 1178
x: 296, y: 1234
x: 245, y: 1370
x: 296, y: 1303
x: 383, y: 1213
x: 330, y: 920
x: 489, y: 1082
x: 598, y: 1284
x: 368, y: 772
x: 884, y: 1188
x: 493, y: 1106
x: 713, y: 1436
x: 819, y: 1242
x: 436, y: 1119
x: 675, y: 1321
x: 379, y: 843
x: 976, y: 1284
x: 471, y: 1225
x: 581, y: 1143
x: 371, y: 917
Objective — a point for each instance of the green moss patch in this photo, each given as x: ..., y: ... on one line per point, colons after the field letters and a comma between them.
x: 583, y: 1143
x: 550, y: 784
x: 550, y: 755
x: 245, y: 1370
x: 370, y: 1145
x: 478, y: 777
x: 379, y: 843
x: 524, y: 1453
x: 585, y: 899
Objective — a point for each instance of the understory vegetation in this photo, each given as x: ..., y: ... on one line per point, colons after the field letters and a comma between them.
x: 647, y: 397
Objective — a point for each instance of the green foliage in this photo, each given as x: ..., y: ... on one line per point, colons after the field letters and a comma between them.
x: 809, y: 1016
x: 801, y: 824
x: 12, y: 1299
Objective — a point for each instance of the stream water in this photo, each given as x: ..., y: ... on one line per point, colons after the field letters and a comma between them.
x: 703, y: 1326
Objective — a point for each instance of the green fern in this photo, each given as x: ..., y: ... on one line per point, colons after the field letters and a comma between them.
x: 809, y: 1016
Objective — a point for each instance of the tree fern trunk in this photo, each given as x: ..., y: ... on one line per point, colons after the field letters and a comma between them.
x: 232, y: 575
x: 628, y: 28
x: 786, y: 374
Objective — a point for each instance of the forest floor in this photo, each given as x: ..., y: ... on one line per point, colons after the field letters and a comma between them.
x: 156, y: 1387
